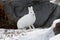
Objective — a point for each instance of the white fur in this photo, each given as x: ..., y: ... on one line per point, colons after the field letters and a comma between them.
x: 27, y: 20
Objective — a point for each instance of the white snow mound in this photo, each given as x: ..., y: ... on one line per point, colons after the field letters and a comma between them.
x: 33, y: 34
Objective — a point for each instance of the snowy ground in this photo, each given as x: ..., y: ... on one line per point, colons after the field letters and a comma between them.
x: 57, y: 37
x: 34, y: 34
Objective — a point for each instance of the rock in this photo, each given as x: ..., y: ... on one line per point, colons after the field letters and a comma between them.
x: 44, y: 10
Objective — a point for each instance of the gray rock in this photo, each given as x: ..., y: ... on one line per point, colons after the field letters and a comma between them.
x: 45, y: 11
x: 9, y: 9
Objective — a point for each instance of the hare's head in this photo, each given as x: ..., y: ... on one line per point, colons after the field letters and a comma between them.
x: 31, y: 10
x: 55, y: 2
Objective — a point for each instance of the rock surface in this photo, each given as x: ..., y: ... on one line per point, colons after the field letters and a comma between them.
x: 45, y: 11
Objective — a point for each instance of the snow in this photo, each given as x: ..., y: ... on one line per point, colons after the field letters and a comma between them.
x: 55, y: 2
x: 30, y: 34
x: 33, y: 34
x: 27, y: 20
x: 57, y: 37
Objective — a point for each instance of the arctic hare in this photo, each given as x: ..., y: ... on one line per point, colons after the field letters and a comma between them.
x: 27, y: 20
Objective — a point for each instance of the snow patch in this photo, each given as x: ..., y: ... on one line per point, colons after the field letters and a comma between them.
x: 33, y: 34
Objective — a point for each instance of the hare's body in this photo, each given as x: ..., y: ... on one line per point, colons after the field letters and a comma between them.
x: 27, y: 20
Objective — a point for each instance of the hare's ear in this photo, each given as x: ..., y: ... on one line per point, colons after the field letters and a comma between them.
x: 28, y: 8
x: 31, y: 7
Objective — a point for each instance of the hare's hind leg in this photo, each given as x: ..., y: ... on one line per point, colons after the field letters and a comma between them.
x: 30, y: 27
